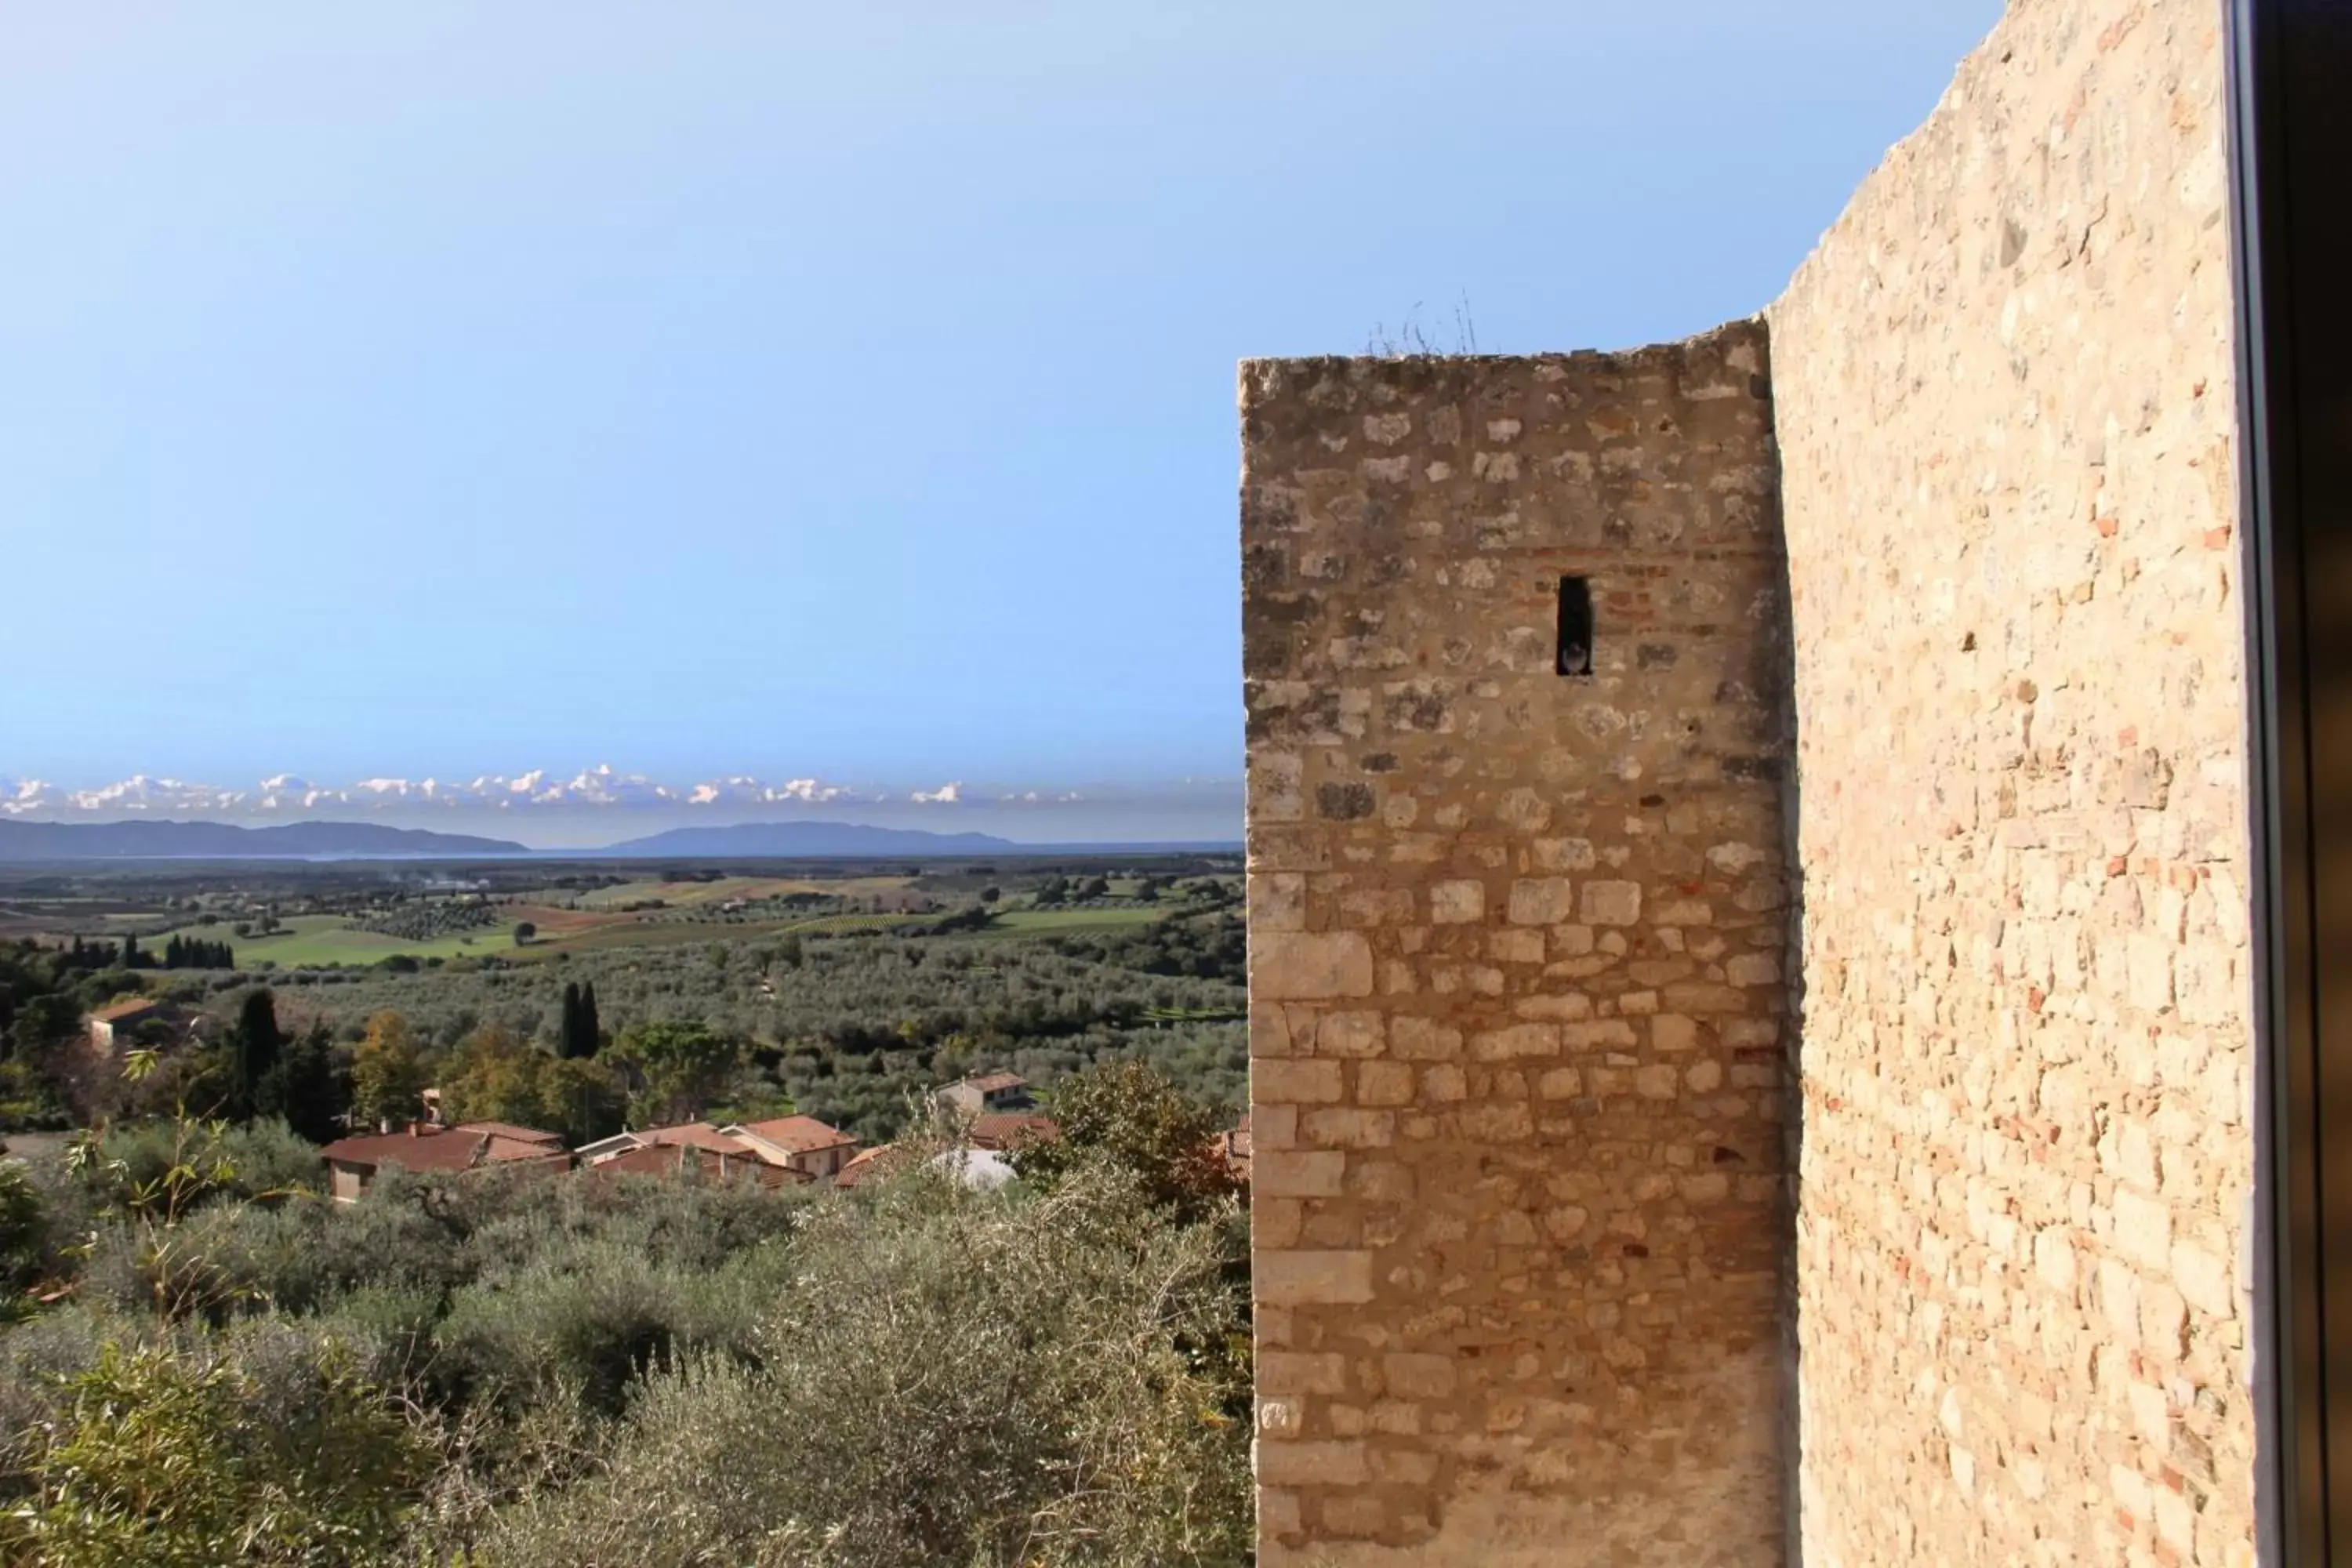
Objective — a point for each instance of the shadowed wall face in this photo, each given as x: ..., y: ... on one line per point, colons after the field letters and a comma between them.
x: 1517, y: 956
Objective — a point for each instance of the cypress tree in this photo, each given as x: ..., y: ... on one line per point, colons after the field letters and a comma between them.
x: 567, y: 1033
x: 305, y: 1088
x: 253, y: 1056
x: 591, y: 1030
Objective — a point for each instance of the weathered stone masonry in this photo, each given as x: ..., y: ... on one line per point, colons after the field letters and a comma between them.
x: 1516, y: 943
x: 1540, y: 1009
x: 2003, y: 399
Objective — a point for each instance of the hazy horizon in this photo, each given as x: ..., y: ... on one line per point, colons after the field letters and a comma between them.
x: 601, y: 806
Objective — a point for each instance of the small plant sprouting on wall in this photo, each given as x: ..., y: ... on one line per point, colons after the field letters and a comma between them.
x: 1410, y: 341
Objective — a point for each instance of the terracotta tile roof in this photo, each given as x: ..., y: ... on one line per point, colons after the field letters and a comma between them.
x: 764, y: 1144
x: 798, y: 1134
x: 868, y: 1165
x: 994, y: 1083
x: 689, y: 1159
x: 1010, y: 1129
x: 519, y: 1134
x: 1236, y: 1145
x: 697, y: 1135
x: 460, y: 1148
x: 115, y: 1012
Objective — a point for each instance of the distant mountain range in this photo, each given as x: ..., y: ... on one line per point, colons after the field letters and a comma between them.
x: 44, y: 841
x: 787, y: 840
x: 225, y: 841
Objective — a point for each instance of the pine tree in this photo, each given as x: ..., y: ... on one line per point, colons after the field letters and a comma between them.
x: 253, y: 1057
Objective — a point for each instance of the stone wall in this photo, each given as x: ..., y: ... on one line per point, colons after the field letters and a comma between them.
x: 2003, y: 397
x: 1516, y: 940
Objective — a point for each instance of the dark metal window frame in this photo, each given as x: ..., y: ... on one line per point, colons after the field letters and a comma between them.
x: 2290, y: 85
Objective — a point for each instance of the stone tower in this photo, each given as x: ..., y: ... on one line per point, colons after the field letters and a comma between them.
x: 1517, y: 661
x: 1749, y: 1007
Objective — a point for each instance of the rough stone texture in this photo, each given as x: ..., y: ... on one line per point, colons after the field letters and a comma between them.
x: 2003, y: 397
x: 1517, y: 989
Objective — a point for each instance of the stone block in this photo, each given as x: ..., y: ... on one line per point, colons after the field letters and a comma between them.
x: 1520, y: 1040
x: 1298, y: 1173
x: 1384, y: 1083
x: 1277, y: 900
x: 2204, y: 1280
x: 1311, y: 1278
x: 1353, y: 1034
x: 1304, y: 1081
x: 2143, y: 1228
x: 1543, y: 901
x: 1303, y: 966
x: 1515, y: 946
x: 1419, y: 1375
x: 1610, y: 903
x: 1312, y: 1464
x: 1423, y: 1039
x: 1673, y: 1032
x: 1301, y: 1372
x: 1460, y: 903
x: 1346, y: 1128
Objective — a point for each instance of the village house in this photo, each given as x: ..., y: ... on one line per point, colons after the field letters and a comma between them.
x: 1234, y: 1148
x: 803, y: 1148
x: 352, y: 1163
x: 870, y: 1165
x: 806, y: 1144
x: 691, y: 1159
x: 997, y: 1091
x: 108, y: 1026
x: 702, y: 1135
x: 1007, y: 1130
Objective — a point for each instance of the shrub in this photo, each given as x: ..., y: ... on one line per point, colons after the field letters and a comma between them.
x: 1000, y: 1379
x: 182, y: 1459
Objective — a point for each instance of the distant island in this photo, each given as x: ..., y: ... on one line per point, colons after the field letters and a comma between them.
x: 787, y: 840
x: 21, y: 841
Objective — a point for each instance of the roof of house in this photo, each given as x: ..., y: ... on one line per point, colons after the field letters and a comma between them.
x: 694, y: 1135
x: 520, y: 1135
x: 1010, y: 1129
x: 686, y: 1159
x: 798, y: 1134
x: 994, y: 1083
x: 459, y: 1148
x: 130, y: 1007
x: 868, y: 1165
x: 771, y: 1143
x: 1236, y: 1145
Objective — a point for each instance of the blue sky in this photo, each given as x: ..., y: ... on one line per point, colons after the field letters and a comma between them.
x: 710, y: 389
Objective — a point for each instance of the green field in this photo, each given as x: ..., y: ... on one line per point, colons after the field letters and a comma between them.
x: 310, y: 941
x: 852, y: 925
x: 318, y: 941
x: 1035, y: 923
x: 690, y: 895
